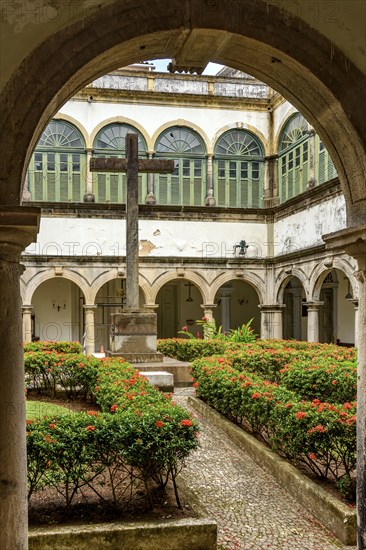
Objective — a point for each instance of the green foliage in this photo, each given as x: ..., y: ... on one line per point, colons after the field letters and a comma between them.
x: 48, y: 372
x: 49, y: 345
x: 140, y: 435
x: 318, y: 434
x: 188, y: 350
x: 243, y: 334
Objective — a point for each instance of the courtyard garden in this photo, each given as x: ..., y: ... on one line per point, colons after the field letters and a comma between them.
x: 299, y: 398
x: 99, y: 435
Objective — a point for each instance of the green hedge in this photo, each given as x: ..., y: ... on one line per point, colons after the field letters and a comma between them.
x: 48, y: 345
x: 188, y: 350
x: 320, y: 435
x: 140, y: 433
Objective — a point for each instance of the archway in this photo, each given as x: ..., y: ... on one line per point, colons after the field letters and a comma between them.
x: 237, y: 303
x: 58, y: 311
x: 295, y: 313
x: 337, y: 308
x: 179, y: 305
x: 252, y: 37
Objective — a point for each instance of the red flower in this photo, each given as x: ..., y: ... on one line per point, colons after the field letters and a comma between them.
x: 159, y: 424
x: 92, y: 413
x: 334, y: 382
x: 113, y: 408
x: 312, y: 456
x: 347, y: 405
x: 185, y: 328
x: 195, y: 384
x: 52, y: 425
x: 288, y: 405
x: 256, y: 395
x: 48, y: 439
x: 186, y: 422
x: 300, y: 414
x: 96, y: 388
x: 90, y: 428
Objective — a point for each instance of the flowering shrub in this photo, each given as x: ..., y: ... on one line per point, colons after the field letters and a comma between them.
x: 49, y: 345
x: 318, y: 434
x: 140, y: 432
x: 49, y: 371
x: 187, y: 350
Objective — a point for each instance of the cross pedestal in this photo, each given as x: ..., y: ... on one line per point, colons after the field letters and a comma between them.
x: 133, y: 336
x: 133, y: 332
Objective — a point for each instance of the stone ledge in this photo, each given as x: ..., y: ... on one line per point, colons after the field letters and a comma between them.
x: 332, y: 513
x: 182, y: 534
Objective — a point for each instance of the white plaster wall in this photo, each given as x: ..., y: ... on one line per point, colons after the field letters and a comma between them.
x: 51, y: 324
x: 152, y: 117
x: 305, y: 229
x: 106, y: 237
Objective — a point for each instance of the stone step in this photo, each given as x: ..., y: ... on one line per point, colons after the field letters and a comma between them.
x: 161, y: 379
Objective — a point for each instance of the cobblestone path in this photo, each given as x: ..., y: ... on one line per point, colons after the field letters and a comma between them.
x: 252, y: 511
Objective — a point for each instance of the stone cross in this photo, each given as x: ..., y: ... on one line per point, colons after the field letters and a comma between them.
x: 132, y: 165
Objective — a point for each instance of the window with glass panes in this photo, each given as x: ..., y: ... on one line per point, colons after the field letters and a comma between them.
x: 57, y: 168
x: 238, y: 170
x: 187, y: 184
x: 293, y: 161
x: 111, y: 142
x: 325, y: 169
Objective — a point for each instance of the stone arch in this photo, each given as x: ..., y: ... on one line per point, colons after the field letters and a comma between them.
x: 284, y: 279
x: 121, y: 120
x: 280, y: 49
x: 187, y: 124
x: 40, y: 278
x: 246, y: 127
x: 109, y: 276
x: 190, y: 276
x: 321, y: 271
x: 253, y: 281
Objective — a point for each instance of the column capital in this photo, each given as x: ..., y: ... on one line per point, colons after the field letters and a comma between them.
x: 90, y: 307
x: 27, y: 308
x: 269, y: 158
x: 351, y: 240
x: 314, y: 305
x: 208, y: 306
x: 19, y: 226
x: 271, y: 307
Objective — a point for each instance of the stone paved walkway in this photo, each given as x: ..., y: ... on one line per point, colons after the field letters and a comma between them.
x: 252, y: 511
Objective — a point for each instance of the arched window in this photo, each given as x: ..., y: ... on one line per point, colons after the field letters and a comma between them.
x: 293, y: 157
x: 186, y: 185
x: 238, y: 170
x: 57, y: 168
x: 110, y: 141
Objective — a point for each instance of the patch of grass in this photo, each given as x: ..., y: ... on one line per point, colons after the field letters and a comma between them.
x: 39, y: 409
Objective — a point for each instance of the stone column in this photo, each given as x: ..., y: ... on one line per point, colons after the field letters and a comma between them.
x: 271, y: 191
x: 150, y: 197
x: 27, y: 323
x: 353, y: 242
x: 312, y: 164
x: 89, y: 195
x: 271, y: 320
x: 210, y: 199
x: 225, y: 297
x: 89, y: 328
x: 355, y: 303
x: 313, y: 320
x: 18, y: 228
x: 208, y: 313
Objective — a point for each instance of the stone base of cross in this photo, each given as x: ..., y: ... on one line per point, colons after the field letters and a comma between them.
x: 133, y: 332
x: 133, y: 336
